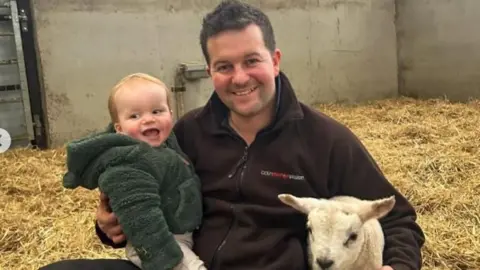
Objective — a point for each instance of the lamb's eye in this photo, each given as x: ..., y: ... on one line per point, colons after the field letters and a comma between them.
x: 351, y: 238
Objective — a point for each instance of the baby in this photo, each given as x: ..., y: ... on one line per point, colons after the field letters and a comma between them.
x: 137, y: 163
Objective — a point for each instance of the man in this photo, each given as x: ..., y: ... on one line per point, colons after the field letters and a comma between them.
x: 254, y: 140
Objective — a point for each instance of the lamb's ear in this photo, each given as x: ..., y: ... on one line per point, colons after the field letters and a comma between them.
x: 376, y: 209
x: 304, y: 205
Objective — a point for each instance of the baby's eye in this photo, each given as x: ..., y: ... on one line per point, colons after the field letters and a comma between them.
x: 134, y: 116
x: 158, y: 111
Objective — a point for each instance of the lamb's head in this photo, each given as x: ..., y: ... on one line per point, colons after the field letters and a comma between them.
x: 335, y: 228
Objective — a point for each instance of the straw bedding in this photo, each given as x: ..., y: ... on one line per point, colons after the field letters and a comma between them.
x: 429, y: 149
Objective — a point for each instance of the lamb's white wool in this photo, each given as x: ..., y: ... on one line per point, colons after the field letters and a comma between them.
x: 344, y: 232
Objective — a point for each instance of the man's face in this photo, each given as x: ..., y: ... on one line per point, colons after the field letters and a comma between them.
x: 243, y: 70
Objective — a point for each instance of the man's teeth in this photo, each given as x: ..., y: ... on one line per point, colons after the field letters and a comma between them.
x: 246, y: 92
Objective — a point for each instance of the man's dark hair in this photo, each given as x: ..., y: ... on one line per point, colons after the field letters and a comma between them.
x: 235, y: 15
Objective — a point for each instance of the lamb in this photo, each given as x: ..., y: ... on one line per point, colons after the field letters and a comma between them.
x: 343, y: 232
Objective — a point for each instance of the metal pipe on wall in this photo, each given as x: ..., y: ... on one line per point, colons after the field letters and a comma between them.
x: 184, y: 72
x: 178, y: 90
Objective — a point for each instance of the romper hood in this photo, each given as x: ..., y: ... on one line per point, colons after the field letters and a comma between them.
x: 88, y: 157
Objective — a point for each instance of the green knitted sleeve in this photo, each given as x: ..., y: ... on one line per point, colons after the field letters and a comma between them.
x: 135, y: 200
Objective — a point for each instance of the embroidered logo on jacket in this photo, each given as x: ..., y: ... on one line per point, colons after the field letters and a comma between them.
x: 282, y: 175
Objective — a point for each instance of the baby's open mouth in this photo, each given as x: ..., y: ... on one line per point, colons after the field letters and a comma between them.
x: 151, y: 132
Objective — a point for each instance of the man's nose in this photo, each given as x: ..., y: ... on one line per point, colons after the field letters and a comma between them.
x: 324, y: 263
x: 240, y: 77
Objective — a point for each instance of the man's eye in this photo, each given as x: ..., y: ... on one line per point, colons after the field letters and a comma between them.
x: 222, y: 68
x: 252, y: 61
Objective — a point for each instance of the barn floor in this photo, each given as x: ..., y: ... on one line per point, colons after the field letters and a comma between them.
x: 429, y: 149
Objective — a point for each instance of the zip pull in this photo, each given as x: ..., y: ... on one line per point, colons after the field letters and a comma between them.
x: 239, y: 164
x: 245, y: 154
x: 245, y: 157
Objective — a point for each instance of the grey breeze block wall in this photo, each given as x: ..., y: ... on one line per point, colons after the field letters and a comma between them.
x: 439, y: 48
x: 333, y: 50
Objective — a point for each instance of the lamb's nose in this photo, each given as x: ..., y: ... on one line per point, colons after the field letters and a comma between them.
x: 324, y: 264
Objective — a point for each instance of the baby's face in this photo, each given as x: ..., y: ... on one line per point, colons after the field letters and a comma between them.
x: 143, y: 112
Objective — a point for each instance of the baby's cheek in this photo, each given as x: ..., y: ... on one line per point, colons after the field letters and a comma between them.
x: 133, y: 132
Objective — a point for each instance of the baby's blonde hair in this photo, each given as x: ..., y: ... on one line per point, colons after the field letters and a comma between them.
x: 111, y: 98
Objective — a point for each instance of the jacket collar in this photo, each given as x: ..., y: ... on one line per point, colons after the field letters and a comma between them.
x: 214, y: 116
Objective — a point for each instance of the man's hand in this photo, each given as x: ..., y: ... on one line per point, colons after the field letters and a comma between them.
x: 386, y: 267
x: 108, y: 222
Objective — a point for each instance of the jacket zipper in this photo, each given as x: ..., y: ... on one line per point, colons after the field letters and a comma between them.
x: 224, y: 241
x: 241, y: 164
x: 240, y: 182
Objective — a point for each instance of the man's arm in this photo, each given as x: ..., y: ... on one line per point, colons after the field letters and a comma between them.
x: 361, y: 177
x: 134, y: 198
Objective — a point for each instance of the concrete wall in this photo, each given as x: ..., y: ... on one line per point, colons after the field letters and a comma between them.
x: 333, y: 50
x: 439, y: 48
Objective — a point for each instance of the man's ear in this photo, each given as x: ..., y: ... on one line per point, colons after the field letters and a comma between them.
x: 209, y: 71
x: 276, y: 58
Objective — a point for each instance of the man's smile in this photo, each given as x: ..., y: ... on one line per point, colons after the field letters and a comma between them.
x: 245, y: 92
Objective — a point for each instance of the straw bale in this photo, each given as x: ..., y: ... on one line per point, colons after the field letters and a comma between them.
x: 428, y: 149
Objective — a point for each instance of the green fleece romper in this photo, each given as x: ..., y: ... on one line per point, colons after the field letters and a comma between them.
x: 153, y: 191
